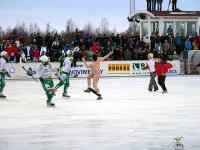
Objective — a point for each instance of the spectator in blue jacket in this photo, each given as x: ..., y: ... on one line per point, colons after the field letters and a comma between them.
x: 188, y: 44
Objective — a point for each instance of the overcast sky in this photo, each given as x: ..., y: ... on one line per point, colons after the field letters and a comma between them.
x: 56, y: 12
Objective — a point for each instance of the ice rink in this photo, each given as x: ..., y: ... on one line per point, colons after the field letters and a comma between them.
x: 129, y: 117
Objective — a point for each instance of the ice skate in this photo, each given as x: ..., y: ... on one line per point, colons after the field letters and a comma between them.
x: 100, y: 98
x: 155, y: 90
x: 164, y: 92
x: 2, y: 96
x: 50, y: 105
x: 66, y: 96
x: 87, y: 90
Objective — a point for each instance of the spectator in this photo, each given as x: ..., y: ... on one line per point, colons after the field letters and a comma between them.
x: 127, y: 54
x: 12, y: 52
x: 56, y: 50
x: 174, y: 5
x: 158, y: 46
x: 125, y: 47
x: 188, y: 44
x: 17, y: 42
x: 95, y: 47
x: 90, y: 54
x: 180, y: 44
x: 153, y: 2
x: 195, y: 44
x: 198, y: 40
x: 35, y: 54
x: 166, y: 47
x: 117, y: 55
x: 159, y: 5
x: 148, y: 5
x: 48, y: 42
x: 28, y: 53
x: 76, y: 57
x: 43, y: 50
x: 170, y: 31
x: 39, y: 41
x: 1, y: 46
x: 33, y: 39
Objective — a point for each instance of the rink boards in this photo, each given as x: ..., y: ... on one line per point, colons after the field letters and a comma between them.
x: 108, y: 69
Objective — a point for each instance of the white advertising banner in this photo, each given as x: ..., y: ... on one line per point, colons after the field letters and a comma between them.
x: 124, y: 68
x: 108, y: 69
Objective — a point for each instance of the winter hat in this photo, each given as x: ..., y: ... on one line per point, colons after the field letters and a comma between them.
x: 150, y: 55
x: 4, y: 53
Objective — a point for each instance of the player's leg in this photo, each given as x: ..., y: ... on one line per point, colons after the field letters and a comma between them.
x: 66, y: 86
x: 89, y: 83
x: 89, y: 80
x: 64, y: 80
x: 164, y: 86
x: 95, y: 86
x: 161, y: 82
x: 154, y: 84
x: 151, y: 82
x: 2, y: 85
x: 46, y: 84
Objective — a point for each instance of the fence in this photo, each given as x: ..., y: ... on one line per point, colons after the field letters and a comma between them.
x: 108, y: 69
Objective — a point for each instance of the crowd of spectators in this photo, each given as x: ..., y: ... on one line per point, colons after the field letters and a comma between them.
x: 124, y: 46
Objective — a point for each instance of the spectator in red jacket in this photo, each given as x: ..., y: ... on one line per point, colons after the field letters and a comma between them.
x: 35, y: 54
x: 12, y: 52
x: 95, y: 47
x: 162, y: 68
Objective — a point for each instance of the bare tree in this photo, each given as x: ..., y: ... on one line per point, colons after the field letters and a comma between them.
x: 70, y: 26
x: 31, y: 28
x: 114, y: 30
x: 36, y: 28
x: 104, y: 26
x: 97, y: 31
x: 88, y: 28
x: 1, y: 32
x: 133, y: 29
x: 8, y: 31
x: 20, y: 29
x: 48, y: 28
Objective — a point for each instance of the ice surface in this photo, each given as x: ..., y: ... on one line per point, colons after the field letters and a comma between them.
x: 129, y: 117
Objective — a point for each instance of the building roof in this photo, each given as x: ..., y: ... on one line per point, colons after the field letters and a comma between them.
x: 168, y: 14
x: 176, y: 14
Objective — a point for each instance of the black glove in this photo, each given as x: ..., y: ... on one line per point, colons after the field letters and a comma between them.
x: 30, y: 72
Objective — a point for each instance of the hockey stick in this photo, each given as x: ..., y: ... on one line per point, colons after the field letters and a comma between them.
x: 30, y: 73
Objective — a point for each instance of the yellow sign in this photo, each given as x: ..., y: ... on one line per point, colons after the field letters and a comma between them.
x: 119, y: 68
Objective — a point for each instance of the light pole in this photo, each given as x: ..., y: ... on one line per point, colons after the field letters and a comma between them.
x: 132, y: 8
x: 132, y: 13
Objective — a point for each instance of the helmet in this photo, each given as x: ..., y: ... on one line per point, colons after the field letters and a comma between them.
x: 76, y: 49
x: 44, y: 58
x: 4, y: 53
x: 69, y: 53
x: 150, y: 55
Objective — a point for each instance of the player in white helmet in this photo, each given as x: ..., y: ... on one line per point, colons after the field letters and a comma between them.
x: 65, y: 68
x: 46, y: 72
x: 4, y: 71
